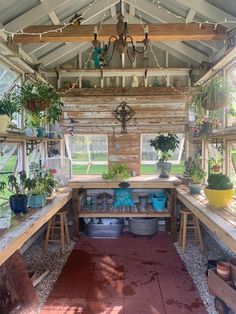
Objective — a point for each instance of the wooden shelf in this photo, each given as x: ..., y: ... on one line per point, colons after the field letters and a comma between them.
x: 164, y: 214
x: 19, y: 137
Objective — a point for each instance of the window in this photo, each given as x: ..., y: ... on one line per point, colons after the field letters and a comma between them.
x: 8, y: 165
x: 148, y: 156
x: 7, y: 79
x: 232, y: 169
x: 88, y: 153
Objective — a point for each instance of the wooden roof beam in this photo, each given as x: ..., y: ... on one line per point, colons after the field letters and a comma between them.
x: 157, y: 32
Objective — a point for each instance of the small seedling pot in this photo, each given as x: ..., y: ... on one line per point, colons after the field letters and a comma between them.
x: 223, y: 270
x: 233, y: 268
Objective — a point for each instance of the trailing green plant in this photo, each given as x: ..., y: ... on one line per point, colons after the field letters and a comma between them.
x: 54, y: 112
x: 16, y: 185
x: 39, y: 91
x: 165, y: 145
x: 35, y: 120
x: 218, y: 92
x: 219, y: 181
x: 10, y: 104
x: 117, y: 171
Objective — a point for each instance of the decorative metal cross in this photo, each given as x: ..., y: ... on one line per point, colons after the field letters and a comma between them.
x: 123, y: 113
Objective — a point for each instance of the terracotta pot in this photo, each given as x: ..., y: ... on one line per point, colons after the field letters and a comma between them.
x: 233, y: 268
x: 216, y: 168
x: 223, y: 270
x: 36, y: 105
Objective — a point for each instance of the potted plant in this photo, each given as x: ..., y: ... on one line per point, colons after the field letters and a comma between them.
x: 220, y: 190
x: 217, y: 93
x: 165, y: 145
x: 17, y: 186
x: 9, y: 105
x: 37, y: 96
x: 188, y: 165
x: 197, y: 174
x: 37, y: 197
x: 215, y: 163
x: 36, y: 122
x: 116, y: 171
x: 50, y: 182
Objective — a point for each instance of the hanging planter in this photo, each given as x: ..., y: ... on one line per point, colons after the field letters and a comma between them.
x: 36, y: 105
x: 38, y: 96
x: 215, y: 94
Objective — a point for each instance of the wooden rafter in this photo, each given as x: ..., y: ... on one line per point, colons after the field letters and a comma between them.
x: 157, y: 32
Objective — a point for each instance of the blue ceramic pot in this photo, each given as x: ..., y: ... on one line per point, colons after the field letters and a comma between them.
x: 41, y: 132
x: 37, y: 201
x: 18, y: 204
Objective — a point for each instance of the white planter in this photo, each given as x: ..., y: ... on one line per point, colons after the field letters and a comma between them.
x: 4, y: 119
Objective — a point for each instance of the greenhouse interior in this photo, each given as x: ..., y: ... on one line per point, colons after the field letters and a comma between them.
x: 117, y: 156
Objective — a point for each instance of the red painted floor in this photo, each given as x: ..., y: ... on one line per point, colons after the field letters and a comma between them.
x: 128, y: 275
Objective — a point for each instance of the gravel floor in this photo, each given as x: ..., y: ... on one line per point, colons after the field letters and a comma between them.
x: 38, y: 261
x: 196, y: 262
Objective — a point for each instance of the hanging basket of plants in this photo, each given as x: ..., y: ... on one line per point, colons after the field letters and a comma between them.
x: 36, y: 105
x: 38, y: 96
x: 216, y: 94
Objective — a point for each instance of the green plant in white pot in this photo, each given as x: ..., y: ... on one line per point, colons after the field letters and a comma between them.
x: 197, y: 174
x: 165, y: 145
x: 9, y: 104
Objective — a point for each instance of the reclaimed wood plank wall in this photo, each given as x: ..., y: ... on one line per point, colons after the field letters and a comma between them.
x: 125, y: 148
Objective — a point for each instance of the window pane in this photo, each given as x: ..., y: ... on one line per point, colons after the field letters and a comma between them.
x: 7, y: 78
x: 233, y: 163
x: 8, y: 165
x: 149, y: 156
x: 89, y: 153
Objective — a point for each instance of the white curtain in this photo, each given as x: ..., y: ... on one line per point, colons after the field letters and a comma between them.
x: 6, y: 151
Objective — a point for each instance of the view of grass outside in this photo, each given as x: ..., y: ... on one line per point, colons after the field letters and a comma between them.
x: 4, y: 173
x: 145, y: 169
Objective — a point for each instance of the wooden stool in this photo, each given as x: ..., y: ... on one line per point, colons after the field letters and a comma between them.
x: 61, y: 224
x: 185, y: 214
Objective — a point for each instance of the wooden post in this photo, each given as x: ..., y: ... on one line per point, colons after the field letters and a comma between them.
x: 75, y: 212
x: 173, y: 229
x: 16, y: 289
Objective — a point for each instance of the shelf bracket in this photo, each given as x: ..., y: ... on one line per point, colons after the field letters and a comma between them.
x: 31, y: 145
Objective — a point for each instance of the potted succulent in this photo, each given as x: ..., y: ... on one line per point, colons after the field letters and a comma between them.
x: 17, y: 186
x: 9, y: 104
x: 217, y: 93
x: 116, y: 171
x: 220, y: 190
x: 197, y: 174
x: 188, y: 165
x: 165, y: 145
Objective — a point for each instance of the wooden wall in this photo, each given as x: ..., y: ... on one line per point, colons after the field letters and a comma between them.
x: 156, y: 110
x: 125, y: 148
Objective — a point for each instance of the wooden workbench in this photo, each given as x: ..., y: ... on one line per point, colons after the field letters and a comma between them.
x: 80, y: 184
x: 25, y: 227
x: 221, y: 221
x: 16, y: 287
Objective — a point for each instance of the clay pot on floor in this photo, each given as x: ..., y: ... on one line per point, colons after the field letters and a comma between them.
x: 223, y: 270
x: 233, y: 269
